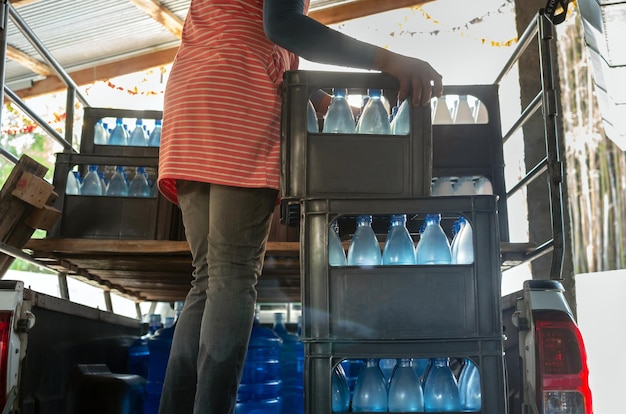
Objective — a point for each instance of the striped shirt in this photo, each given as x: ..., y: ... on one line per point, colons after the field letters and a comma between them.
x: 221, y: 115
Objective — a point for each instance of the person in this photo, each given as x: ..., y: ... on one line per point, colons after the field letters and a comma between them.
x: 220, y: 162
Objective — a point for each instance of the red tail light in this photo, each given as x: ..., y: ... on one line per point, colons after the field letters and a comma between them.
x: 5, y: 338
x: 562, y: 373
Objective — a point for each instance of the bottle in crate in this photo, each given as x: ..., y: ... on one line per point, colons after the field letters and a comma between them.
x: 441, y: 392
x: 336, y: 252
x: 401, y: 123
x: 464, y: 186
x: 370, y: 391
x: 118, y: 136
x: 405, y: 389
x: 91, y: 183
x: 399, y: 248
x: 138, y: 136
x: 139, y: 184
x: 117, y: 184
x: 462, y: 249
x: 374, y: 119
x: 469, y: 387
x: 72, y: 186
x: 312, y: 125
x: 340, y: 392
x: 154, y: 140
x: 463, y: 113
x: 433, y: 246
x: 339, y: 117
x: 364, y: 249
x: 442, y: 115
x: 100, y: 134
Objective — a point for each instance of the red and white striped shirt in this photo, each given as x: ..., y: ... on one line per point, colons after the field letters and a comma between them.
x: 221, y: 118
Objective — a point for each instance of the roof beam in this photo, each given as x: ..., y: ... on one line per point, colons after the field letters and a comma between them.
x: 161, y: 14
x: 328, y: 15
x: 29, y: 62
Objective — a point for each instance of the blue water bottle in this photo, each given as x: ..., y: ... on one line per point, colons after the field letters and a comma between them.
x: 370, y: 391
x: 336, y: 252
x: 375, y: 118
x: 138, y: 136
x: 462, y: 249
x: 154, y: 140
x: 159, y: 345
x: 441, y: 392
x: 405, y: 389
x: 340, y: 393
x: 469, y: 387
x: 399, y: 248
x: 138, y: 186
x: 292, y: 371
x: 118, y: 136
x: 259, y: 389
x: 433, y: 246
x: 117, y: 184
x: 339, y: 117
x: 364, y: 249
x: 91, y: 183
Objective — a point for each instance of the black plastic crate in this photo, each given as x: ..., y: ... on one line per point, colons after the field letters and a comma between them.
x: 108, y: 217
x: 321, y: 359
x: 474, y: 149
x: 323, y: 165
x: 401, y: 302
x: 93, y: 115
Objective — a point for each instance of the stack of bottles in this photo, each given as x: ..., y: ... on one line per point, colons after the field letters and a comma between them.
x: 465, y: 185
x: 433, y: 246
x: 292, y: 368
x: 139, y: 136
x: 261, y: 383
x: 413, y: 385
x: 116, y: 184
x: 458, y: 110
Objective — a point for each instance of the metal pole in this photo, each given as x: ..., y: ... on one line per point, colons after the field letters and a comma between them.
x: 4, y: 21
x: 8, y: 156
x: 522, y: 44
x: 64, y: 290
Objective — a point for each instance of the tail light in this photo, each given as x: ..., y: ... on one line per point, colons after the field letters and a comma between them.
x: 562, y: 373
x: 5, y: 342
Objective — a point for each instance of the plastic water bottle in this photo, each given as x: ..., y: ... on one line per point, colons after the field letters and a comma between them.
x: 259, y: 390
x: 433, y: 247
x: 103, y: 181
x: 138, y: 137
x: 154, y: 140
x: 463, y: 113
x: 405, y: 389
x: 312, y: 125
x: 72, y: 186
x: 364, y: 249
x: 292, y: 373
x: 139, y: 184
x: 352, y: 368
x: 420, y: 366
x: 464, y: 186
x: 399, y: 248
x: 375, y: 118
x: 483, y: 186
x: 340, y: 393
x: 118, y: 136
x: 442, y: 186
x: 370, y: 391
x: 336, y: 252
x: 100, y: 135
x: 401, y: 123
x: 441, y: 392
x: 387, y: 365
x: 469, y: 387
x: 91, y: 182
x: 442, y: 115
x: 462, y: 249
x: 481, y: 115
x: 339, y: 117
x: 117, y: 184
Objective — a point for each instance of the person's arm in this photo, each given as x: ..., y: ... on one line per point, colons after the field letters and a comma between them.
x: 287, y: 26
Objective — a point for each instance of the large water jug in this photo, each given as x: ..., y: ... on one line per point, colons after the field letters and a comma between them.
x: 100, y: 135
x: 374, y: 119
x: 336, y: 252
x: 441, y: 392
x: 72, y: 186
x: 364, y: 249
x: 259, y: 389
x: 370, y: 391
x: 401, y: 123
x: 469, y: 387
x: 117, y: 184
x: 159, y: 345
x: 399, y: 248
x: 118, y: 136
x: 433, y: 246
x: 139, y: 184
x: 339, y: 117
x: 405, y: 389
x: 462, y: 249
x: 340, y: 393
x: 138, y: 136
x: 154, y: 140
x: 91, y: 183
x: 292, y: 368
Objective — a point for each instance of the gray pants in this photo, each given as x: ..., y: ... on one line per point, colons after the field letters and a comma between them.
x: 227, y: 230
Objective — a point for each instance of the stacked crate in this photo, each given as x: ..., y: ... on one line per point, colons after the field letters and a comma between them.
x: 409, y: 311
x: 112, y: 217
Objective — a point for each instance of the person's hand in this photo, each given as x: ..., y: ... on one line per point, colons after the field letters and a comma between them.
x: 417, y: 78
